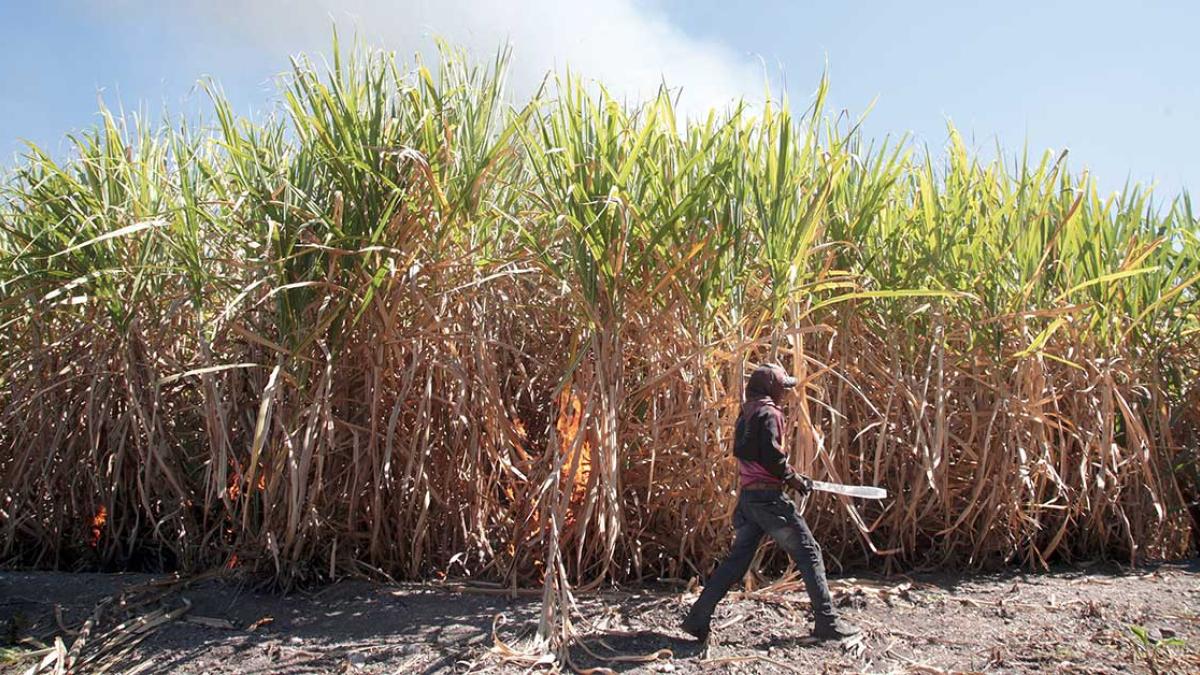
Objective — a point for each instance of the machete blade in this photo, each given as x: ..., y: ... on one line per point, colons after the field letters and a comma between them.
x: 861, y: 491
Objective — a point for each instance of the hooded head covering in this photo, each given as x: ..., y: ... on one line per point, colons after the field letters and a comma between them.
x: 767, y: 384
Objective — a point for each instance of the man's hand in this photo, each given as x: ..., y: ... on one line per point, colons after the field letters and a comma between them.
x: 801, y: 483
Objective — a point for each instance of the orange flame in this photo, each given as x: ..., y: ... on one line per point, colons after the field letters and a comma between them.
x: 519, y: 427
x: 568, y: 425
x: 570, y: 417
x: 98, y: 521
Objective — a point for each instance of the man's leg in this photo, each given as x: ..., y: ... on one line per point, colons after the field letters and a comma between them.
x: 745, y: 543
x: 794, y: 537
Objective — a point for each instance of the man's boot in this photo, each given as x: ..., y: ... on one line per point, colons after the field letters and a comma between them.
x: 695, y: 628
x: 835, y: 629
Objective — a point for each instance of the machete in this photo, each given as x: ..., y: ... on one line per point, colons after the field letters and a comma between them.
x: 864, y: 491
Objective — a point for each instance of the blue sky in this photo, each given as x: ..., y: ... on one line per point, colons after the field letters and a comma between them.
x: 1115, y: 82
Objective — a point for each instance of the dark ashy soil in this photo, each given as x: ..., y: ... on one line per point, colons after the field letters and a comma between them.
x: 1088, y: 620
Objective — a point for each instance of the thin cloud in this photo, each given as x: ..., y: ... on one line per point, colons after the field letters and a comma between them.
x: 630, y: 48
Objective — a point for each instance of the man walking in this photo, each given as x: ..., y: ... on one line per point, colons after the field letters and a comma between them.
x: 763, y: 508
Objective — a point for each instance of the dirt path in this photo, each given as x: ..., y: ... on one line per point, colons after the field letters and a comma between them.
x: 1082, y: 620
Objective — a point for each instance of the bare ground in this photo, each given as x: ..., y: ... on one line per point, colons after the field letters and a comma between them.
x: 1088, y: 619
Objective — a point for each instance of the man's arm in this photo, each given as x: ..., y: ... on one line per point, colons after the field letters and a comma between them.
x: 740, y: 437
x: 774, y: 459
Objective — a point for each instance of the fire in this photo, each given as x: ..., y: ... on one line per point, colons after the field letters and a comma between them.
x: 98, y: 521
x: 568, y: 424
x: 570, y: 417
x: 523, y: 434
x: 235, y: 485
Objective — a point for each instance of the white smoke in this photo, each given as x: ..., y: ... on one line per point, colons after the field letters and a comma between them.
x: 627, y: 46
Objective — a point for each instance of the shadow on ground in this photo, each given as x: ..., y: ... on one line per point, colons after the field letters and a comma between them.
x: 350, y: 624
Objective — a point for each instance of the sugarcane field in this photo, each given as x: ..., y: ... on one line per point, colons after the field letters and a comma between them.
x: 418, y: 357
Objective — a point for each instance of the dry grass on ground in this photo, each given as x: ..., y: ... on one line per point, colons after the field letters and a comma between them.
x: 1079, y: 620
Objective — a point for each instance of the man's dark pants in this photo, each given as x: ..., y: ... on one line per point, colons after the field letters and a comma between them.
x: 767, y: 512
